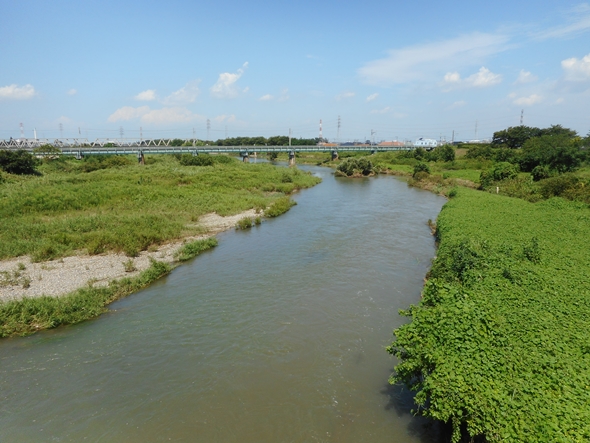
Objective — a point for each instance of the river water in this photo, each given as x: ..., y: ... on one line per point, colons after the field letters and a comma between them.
x: 276, y: 335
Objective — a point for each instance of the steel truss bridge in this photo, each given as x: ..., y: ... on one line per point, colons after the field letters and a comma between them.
x: 80, y: 147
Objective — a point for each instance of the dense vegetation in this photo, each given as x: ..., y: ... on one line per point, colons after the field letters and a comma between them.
x: 499, y: 344
x: 111, y: 203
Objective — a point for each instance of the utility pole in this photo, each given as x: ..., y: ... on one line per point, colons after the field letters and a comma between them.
x: 476, y: 129
x: 289, y: 137
x: 453, y: 139
x: 193, y: 137
x: 208, y: 128
x: 338, y: 133
x: 140, y: 134
x: 373, y: 136
x: 61, y: 130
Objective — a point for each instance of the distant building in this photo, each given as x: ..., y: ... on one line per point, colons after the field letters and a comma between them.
x: 395, y: 144
x: 427, y: 143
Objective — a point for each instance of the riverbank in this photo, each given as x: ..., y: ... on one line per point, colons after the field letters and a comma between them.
x: 498, y: 345
x: 22, y: 277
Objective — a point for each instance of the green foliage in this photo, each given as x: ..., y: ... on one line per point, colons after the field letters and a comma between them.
x: 279, y: 207
x: 131, y: 207
x: 445, y: 153
x: 498, y: 345
x: 515, y: 137
x: 96, y: 162
x: 18, y: 162
x: 558, y: 152
x: 196, y: 160
x: 354, y: 167
x: 194, y: 248
x: 244, y: 223
x: 500, y: 171
x: 421, y: 167
x: 540, y: 172
x: 26, y: 316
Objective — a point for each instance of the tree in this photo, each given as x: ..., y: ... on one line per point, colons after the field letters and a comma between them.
x: 558, y: 152
x: 515, y: 137
x: 18, y: 162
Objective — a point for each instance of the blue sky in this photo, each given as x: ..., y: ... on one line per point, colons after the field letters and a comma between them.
x: 402, y: 69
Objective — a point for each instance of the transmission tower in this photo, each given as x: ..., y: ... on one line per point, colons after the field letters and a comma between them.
x: 373, y: 136
x: 140, y: 134
x: 61, y: 130
x: 521, y: 117
x: 22, y: 131
x: 338, y: 132
x: 321, y: 134
x: 121, y: 132
x: 208, y: 128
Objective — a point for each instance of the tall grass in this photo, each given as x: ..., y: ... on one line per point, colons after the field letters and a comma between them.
x: 126, y: 207
x: 26, y: 316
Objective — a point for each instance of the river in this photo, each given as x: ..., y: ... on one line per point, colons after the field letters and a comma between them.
x: 276, y: 335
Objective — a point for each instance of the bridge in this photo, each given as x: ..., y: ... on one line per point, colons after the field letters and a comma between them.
x: 80, y: 147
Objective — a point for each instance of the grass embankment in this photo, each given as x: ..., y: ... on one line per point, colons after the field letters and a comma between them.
x: 126, y: 207
x: 113, y: 204
x: 499, y: 344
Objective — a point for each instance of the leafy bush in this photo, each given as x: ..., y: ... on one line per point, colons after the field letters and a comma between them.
x: 557, y: 186
x: 194, y: 248
x: 355, y: 167
x: 540, y: 172
x: 421, y: 167
x: 18, y: 162
x: 501, y: 171
x: 244, y: 223
x: 196, y: 160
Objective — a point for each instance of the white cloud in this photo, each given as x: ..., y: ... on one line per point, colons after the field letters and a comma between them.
x: 577, y: 69
x: 579, y: 23
x: 481, y: 79
x: 146, y: 96
x: 14, y: 92
x: 344, y: 95
x: 372, y: 97
x: 128, y: 113
x: 226, y: 87
x: 525, y: 77
x: 415, y: 62
x: 72, y: 92
x: 185, y: 95
x: 225, y: 118
x: 266, y: 97
x: 381, y: 111
x: 457, y: 104
x: 528, y: 101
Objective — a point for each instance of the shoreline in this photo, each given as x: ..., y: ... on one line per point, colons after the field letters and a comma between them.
x: 20, y: 278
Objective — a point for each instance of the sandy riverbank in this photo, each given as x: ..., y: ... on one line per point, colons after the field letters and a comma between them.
x: 19, y: 277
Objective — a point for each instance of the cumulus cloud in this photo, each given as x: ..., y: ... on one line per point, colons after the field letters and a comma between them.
x: 525, y: 77
x: 225, y: 118
x: 415, y: 62
x: 15, y: 92
x: 372, y: 97
x: 577, y: 69
x: 481, y: 79
x: 72, y: 92
x: 185, y: 95
x: 527, y: 101
x: 226, y: 87
x: 266, y: 97
x: 146, y: 96
x: 344, y: 95
x: 128, y: 113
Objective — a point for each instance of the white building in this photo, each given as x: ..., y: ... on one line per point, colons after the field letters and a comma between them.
x: 428, y: 143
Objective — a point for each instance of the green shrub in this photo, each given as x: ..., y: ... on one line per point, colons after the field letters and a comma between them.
x: 557, y: 186
x: 355, y: 166
x: 244, y: 223
x: 421, y: 167
x: 540, y: 172
x: 192, y: 249
x: 279, y: 206
x: 500, y: 171
x: 196, y: 160
x: 18, y: 162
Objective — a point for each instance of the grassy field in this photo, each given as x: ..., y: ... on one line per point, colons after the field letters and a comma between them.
x: 114, y: 204
x: 499, y: 344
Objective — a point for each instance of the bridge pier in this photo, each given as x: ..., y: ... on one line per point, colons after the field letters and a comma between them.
x: 245, y: 157
x: 140, y: 158
x: 195, y: 153
x: 334, y: 155
x: 291, y: 158
x: 79, y: 155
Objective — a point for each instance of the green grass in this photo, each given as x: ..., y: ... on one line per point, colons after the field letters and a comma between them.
x: 194, y: 248
x: 128, y: 207
x: 29, y: 315
x: 279, y: 206
x: 499, y: 344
